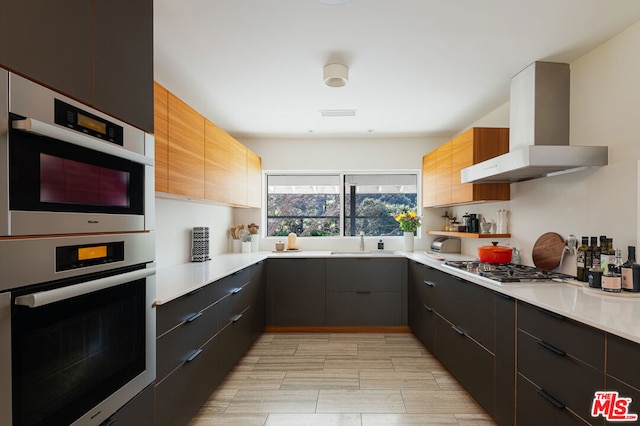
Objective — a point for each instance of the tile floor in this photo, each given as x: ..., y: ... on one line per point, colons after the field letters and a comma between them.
x: 346, y: 379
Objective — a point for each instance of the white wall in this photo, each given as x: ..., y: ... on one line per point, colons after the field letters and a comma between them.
x: 605, y: 110
x: 174, y: 221
x: 339, y: 154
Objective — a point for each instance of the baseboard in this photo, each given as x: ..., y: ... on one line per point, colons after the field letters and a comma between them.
x: 338, y: 329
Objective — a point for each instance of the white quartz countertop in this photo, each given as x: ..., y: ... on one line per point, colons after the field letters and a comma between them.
x: 617, y: 313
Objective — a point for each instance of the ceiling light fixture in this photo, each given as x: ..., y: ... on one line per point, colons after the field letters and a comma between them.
x: 336, y: 75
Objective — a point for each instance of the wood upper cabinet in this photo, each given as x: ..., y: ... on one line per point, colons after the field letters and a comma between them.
x: 194, y: 158
x: 429, y: 179
x: 186, y: 150
x: 471, y: 147
x: 225, y: 167
x: 443, y: 175
x: 161, y: 134
x: 254, y: 179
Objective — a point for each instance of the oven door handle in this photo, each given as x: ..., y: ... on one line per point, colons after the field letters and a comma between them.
x: 42, y: 298
x: 34, y: 126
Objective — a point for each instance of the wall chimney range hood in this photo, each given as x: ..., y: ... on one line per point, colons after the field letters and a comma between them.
x: 539, y: 131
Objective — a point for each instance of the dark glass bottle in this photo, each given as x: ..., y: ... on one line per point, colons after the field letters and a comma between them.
x: 581, y: 271
x: 627, y: 269
x: 595, y: 252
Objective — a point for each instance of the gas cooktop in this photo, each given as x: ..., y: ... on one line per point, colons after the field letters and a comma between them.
x: 508, y: 272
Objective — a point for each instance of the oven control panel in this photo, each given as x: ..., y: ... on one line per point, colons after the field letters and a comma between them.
x: 81, y: 256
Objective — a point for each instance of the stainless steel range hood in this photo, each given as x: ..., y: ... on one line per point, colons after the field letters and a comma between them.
x: 539, y: 131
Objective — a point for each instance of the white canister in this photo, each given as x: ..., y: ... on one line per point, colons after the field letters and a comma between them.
x: 246, y: 247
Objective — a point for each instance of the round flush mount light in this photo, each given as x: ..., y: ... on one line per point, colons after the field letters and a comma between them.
x: 336, y: 75
x: 334, y: 1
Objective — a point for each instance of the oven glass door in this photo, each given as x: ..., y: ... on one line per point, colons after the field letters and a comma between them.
x: 70, y: 355
x: 49, y: 175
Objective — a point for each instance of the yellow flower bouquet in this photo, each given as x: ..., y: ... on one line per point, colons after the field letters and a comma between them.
x: 409, y: 221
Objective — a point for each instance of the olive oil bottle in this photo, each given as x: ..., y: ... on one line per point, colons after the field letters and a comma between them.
x: 581, y: 260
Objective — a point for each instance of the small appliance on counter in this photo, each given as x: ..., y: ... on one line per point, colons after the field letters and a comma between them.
x: 446, y: 245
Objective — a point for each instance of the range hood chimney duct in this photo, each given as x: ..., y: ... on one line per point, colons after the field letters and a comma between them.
x: 538, y: 131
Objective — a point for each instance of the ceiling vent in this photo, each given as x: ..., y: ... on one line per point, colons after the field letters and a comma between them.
x: 338, y: 112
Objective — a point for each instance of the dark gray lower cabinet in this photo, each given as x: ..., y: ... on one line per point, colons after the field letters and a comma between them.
x: 563, y: 360
x: 472, y: 331
x: 201, y: 336
x: 138, y: 411
x: 296, y: 292
x: 467, y: 360
x: 536, y: 407
x: 366, y: 291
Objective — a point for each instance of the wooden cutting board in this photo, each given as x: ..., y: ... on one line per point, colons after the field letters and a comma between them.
x: 547, y: 251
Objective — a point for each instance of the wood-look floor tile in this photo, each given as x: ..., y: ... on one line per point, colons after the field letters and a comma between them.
x: 231, y: 420
x: 322, y: 379
x: 408, y: 419
x: 218, y: 401
x: 357, y: 363
x: 332, y: 348
x: 439, y: 401
x: 241, y: 379
x: 446, y: 381
x: 360, y: 401
x: 313, y: 420
x: 412, y: 363
x: 273, y: 401
x: 358, y: 338
x: 279, y: 338
x: 391, y: 379
x: 272, y: 350
x: 390, y: 350
x: 474, y: 420
x: 289, y: 363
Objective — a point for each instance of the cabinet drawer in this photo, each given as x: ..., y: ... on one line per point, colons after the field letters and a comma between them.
x: 174, y: 347
x: 179, y: 310
x: 469, y: 362
x: 622, y: 360
x: 568, y: 379
x: 239, y: 299
x: 535, y: 407
x: 468, y: 306
x: 181, y: 394
x: 579, y: 340
x: 235, y: 339
x: 230, y: 284
x: 364, y: 274
x: 138, y: 411
x: 423, y: 325
x: 364, y: 308
x: 625, y: 391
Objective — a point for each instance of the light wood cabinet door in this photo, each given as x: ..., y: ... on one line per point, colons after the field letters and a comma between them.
x: 254, y: 179
x: 429, y: 180
x: 186, y: 149
x: 161, y: 135
x: 461, y: 157
x: 443, y: 175
x: 225, y: 167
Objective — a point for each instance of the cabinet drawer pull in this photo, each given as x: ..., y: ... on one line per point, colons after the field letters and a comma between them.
x: 551, y: 348
x: 551, y: 399
x: 428, y: 308
x: 193, y: 355
x: 236, y: 318
x: 237, y: 290
x: 430, y: 283
x: 458, y: 278
x: 363, y: 292
x: 194, y: 317
x: 458, y: 330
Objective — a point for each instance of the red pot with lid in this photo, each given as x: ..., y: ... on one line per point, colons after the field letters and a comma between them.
x: 495, y: 253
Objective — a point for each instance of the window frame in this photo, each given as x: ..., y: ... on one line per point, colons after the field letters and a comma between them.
x: 341, y: 176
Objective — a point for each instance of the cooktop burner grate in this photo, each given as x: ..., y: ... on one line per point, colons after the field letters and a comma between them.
x: 508, y: 272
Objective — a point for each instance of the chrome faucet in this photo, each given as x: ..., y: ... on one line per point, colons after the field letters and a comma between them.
x: 361, y: 240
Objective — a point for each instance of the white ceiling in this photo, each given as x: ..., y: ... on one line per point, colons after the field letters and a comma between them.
x: 416, y: 67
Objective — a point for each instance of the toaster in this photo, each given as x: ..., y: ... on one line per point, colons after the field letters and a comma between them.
x: 446, y: 245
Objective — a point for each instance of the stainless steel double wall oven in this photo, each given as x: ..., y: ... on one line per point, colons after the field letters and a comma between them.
x: 77, y: 252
